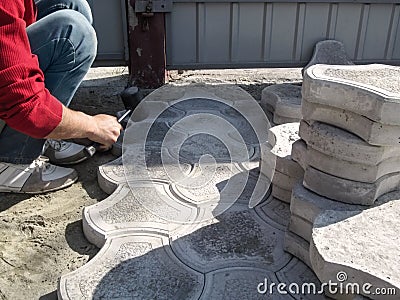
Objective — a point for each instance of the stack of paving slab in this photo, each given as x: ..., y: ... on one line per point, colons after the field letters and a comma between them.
x: 282, y: 103
x: 276, y: 156
x: 344, y: 213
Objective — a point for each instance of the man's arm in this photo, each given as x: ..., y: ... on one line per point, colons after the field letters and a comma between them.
x: 103, y: 129
x: 25, y: 104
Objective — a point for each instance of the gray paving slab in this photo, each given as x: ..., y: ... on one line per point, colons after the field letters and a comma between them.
x: 329, y: 52
x: 342, y: 144
x: 281, y: 194
x: 238, y: 283
x: 284, y: 181
x: 301, y: 227
x: 283, y: 100
x: 279, y: 120
x: 276, y: 154
x: 308, y: 205
x: 145, y: 165
x: 306, y: 155
x: 298, y: 247
x: 274, y: 212
x: 359, y: 247
x: 145, y: 206
x: 349, y: 191
x: 134, y: 266
x: 236, y: 238
x: 297, y: 274
x: 372, y: 132
x: 372, y: 91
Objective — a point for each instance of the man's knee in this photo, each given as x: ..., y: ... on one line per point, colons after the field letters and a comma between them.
x: 46, y: 7
x: 80, y: 33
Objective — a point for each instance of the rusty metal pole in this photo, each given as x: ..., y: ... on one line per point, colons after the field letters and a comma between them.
x: 147, y: 60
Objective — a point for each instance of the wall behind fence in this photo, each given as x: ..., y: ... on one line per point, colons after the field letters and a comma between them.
x: 210, y: 34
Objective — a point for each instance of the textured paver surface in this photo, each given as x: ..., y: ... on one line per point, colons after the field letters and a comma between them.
x: 361, y: 246
x: 189, y: 214
x: 372, y: 91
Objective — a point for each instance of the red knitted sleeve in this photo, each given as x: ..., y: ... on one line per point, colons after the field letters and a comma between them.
x: 25, y: 104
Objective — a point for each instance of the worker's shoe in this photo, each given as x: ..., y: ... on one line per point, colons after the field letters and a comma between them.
x: 38, y: 177
x: 64, y: 153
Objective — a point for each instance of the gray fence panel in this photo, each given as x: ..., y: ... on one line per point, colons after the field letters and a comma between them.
x: 110, y: 24
x: 251, y: 33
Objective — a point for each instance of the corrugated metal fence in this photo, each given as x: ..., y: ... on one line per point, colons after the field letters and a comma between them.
x: 220, y: 33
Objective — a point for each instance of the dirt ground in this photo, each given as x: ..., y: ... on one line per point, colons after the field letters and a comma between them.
x: 41, y: 236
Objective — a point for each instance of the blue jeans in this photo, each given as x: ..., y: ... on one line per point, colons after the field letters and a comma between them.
x: 65, y: 42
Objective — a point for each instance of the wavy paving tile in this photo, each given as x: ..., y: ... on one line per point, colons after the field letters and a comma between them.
x: 237, y: 237
x: 133, y: 266
x: 180, y: 222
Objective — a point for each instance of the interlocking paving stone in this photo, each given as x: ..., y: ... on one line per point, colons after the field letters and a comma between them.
x: 329, y: 52
x: 298, y: 247
x: 372, y: 132
x: 284, y: 181
x: 363, y: 244
x: 238, y: 283
x: 349, y: 191
x: 342, y: 144
x: 275, y: 212
x: 301, y: 227
x: 309, y: 205
x: 307, y: 156
x: 112, y: 174
x: 134, y: 266
x: 141, y: 206
x: 296, y: 272
x: 177, y: 227
x: 238, y: 237
x: 284, y: 101
x: 372, y: 91
x: 281, y: 194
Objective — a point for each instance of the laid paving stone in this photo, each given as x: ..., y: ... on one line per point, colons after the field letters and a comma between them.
x: 145, y: 206
x: 372, y: 132
x: 116, y: 172
x: 298, y: 247
x: 275, y: 212
x: 296, y: 274
x: 300, y: 227
x: 134, y: 266
x: 359, y: 247
x: 349, y: 191
x: 281, y: 194
x: 372, y: 91
x: 236, y: 238
x: 306, y: 155
x: 329, y: 52
x: 342, y: 144
x: 239, y: 283
x: 284, y: 101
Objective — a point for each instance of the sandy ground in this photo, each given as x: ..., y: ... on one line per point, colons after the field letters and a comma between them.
x: 41, y: 236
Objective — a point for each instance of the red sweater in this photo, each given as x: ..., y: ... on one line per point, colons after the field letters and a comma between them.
x: 25, y: 104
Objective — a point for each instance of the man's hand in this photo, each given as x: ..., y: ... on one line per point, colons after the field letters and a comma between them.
x: 103, y: 129
x: 107, y: 130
